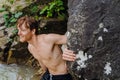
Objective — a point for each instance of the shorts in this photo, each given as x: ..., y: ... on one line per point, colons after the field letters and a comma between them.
x: 48, y: 76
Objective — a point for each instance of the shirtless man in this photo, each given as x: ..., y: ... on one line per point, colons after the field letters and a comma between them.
x: 45, y: 48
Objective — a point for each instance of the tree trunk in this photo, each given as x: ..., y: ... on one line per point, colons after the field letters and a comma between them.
x: 94, y: 34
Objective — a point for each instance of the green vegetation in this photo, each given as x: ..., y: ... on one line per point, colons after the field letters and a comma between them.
x: 53, y: 9
x: 11, y: 18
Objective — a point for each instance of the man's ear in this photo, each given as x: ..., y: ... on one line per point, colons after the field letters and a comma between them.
x: 33, y: 31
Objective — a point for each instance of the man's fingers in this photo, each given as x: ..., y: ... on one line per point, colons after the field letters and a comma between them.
x: 68, y: 58
x: 69, y: 53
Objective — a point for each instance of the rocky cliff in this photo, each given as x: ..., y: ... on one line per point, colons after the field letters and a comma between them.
x: 94, y: 35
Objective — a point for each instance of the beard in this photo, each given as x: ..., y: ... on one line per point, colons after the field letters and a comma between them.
x: 22, y: 40
x: 25, y: 38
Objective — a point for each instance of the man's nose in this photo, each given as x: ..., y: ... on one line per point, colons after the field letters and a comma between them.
x: 19, y: 32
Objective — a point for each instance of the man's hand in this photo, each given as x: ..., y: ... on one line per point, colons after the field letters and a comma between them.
x: 69, y: 55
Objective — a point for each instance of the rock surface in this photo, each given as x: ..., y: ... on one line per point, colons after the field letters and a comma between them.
x: 94, y: 35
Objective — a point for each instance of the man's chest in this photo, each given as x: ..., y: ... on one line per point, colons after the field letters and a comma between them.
x: 42, y: 53
x: 42, y: 50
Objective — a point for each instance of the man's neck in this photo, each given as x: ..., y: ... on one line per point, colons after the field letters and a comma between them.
x: 33, y: 41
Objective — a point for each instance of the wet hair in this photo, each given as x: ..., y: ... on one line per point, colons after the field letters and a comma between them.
x: 29, y: 22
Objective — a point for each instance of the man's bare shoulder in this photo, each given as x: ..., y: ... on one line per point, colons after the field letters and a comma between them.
x: 53, y: 38
x: 52, y: 35
x: 43, y: 36
x: 47, y: 37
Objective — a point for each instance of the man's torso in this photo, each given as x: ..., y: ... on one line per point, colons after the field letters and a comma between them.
x: 49, y: 55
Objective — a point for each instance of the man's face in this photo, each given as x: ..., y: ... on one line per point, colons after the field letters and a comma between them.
x: 24, y: 33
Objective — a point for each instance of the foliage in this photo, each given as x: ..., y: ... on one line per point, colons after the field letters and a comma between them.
x: 53, y: 8
x: 2, y: 9
x: 11, y: 1
x: 12, y: 12
x: 11, y: 18
x: 32, y: 10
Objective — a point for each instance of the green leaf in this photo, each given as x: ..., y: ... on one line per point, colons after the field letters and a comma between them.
x: 17, y: 15
x: 5, y: 16
x: 2, y: 9
x: 43, y: 10
x: 49, y: 14
x: 13, y: 20
x: 52, y: 6
x: 59, y: 9
x: 11, y: 1
x: 59, y: 3
x: 34, y: 9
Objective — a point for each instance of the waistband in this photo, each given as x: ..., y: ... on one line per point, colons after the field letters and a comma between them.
x: 60, y: 76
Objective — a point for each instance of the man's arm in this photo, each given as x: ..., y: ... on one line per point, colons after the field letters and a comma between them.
x: 57, y: 38
x: 68, y: 55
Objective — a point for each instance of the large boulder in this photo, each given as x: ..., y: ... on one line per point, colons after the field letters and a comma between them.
x: 94, y: 35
